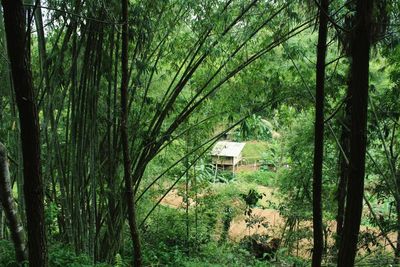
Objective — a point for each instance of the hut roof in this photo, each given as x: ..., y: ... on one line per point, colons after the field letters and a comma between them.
x: 227, y: 149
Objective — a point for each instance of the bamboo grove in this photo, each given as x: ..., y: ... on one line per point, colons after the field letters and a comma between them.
x: 94, y: 91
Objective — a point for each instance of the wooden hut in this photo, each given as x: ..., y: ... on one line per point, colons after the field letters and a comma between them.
x: 227, y: 154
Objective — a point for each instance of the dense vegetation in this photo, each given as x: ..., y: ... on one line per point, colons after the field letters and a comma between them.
x: 109, y: 111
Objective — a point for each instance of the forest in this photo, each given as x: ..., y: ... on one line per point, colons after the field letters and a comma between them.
x: 199, y: 133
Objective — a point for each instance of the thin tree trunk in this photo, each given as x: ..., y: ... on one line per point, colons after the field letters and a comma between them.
x: 1, y: 224
x: 41, y: 45
x: 137, y: 253
x: 343, y: 173
x: 319, y: 136
x: 8, y: 204
x: 14, y: 21
x: 397, y: 252
x: 115, y: 217
x: 18, y: 176
x: 359, y: 103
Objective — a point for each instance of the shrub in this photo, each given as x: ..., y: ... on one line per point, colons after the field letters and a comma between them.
x: 7, y: 255
x: 264, y: 178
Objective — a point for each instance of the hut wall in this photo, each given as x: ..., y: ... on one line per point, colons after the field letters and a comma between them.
x: 223, y: 160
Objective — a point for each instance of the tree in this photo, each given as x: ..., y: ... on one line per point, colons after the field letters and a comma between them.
x: 360, y: 48
x: 16, y: 34
x: 8, y: 204
x: 343, y: 170
x: 137, y: 251
x: 319, y: 135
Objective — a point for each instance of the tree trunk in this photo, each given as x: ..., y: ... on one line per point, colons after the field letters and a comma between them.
x: 397, y: 252
x: 359, y: 103
x: 10, y: 211
x: 343, y: 172
x: 137, y: 253
x: 1, y: 224
x: 41, y: 44
x: 14, y: 21
x: 319, y: 136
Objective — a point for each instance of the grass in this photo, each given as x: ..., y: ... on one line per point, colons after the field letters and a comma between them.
x: 254, y: 149
x: 264, y: 178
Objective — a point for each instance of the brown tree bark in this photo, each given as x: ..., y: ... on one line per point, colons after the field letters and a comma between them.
x: 14, y: 22
x: 8, y: 204
x: 137, y: 253
x: 360, y: 48
x: 319, y: 136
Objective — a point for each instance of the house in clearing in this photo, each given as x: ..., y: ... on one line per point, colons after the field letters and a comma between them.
x: 227, y: 154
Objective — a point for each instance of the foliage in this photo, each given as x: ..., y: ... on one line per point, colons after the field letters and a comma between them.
x: 208, y: 173
x: 196, y: 69
x: 251, y: 198
x: 62, y: 255
x: 264, y: 178
x: 59, y: 256
x: 7, y: 255
x: 166, y: 236
x: 254, y: 127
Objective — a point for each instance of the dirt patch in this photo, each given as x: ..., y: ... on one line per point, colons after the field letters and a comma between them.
x: 273, y: 221
x: 239, y: 228
x: 247, y: 168
x: 174, y: 200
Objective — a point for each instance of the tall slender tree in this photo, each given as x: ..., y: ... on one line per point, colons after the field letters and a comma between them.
x: 360, y: 48
x: 343, y: 167
x: 137, y: 259
x: 319, y: 135
x: 16, y: 34
x: 8, y: 204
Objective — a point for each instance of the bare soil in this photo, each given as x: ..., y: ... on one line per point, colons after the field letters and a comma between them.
x: 274, y: 223
x: 238, y: 228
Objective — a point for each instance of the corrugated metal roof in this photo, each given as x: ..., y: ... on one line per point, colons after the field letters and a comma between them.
x: 227, y: 149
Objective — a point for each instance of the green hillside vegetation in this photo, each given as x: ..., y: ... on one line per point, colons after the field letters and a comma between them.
x: 111, y: 113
